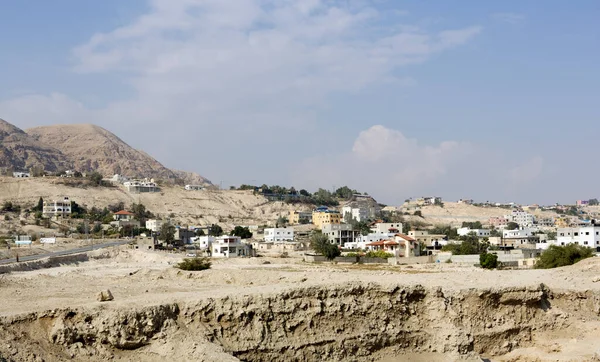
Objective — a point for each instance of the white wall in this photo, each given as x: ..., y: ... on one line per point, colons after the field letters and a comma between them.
x: 279, y: 234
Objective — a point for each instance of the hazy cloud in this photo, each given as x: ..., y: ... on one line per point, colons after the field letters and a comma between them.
x: 511, y: 18
x: 402, y: 167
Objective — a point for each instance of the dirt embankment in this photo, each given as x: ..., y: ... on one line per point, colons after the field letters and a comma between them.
x: 357, y: 322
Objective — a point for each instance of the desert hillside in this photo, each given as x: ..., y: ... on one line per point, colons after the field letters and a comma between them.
x: 228, y: 208
x: 92, y: 148
x: 454, y: 213
x: 20, y: 152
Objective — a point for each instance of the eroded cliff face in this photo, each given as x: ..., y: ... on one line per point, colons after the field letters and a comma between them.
x: 350, y: 322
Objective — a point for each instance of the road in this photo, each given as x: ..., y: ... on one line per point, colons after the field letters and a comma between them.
x: 83, y: 249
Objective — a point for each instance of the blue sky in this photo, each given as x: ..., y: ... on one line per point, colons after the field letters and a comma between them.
x: 489, y: 100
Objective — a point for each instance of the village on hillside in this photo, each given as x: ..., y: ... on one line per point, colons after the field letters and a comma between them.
x: 421, y: 230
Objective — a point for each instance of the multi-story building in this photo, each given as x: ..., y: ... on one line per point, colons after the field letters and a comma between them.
x: 387, y: 227
x: 141, y: 186
x: 524, y: 219
x: 584, y: 235
x: 57, y: 208
x: 279, y: 234
x: 324, y: 216
x: 545, y: 221
x: 355, y: 213
x: 498, y: 222
x: 434, y: 241
x: 229, y: 247
x: 480, y: 233
x: 300, y: 217
x: 340, y: 234
x: 517, y: 238
x: 154, y: 225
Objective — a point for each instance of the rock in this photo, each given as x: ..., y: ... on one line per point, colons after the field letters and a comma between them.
x: 105, y: 296
x: 596, y: 279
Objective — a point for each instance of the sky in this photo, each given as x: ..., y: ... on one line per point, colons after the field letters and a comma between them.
x: 482, y: 100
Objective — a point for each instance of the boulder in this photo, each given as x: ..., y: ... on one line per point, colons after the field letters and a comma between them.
x: 105, y: 296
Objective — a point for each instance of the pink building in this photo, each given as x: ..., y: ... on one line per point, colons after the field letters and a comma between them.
x: 498, y: 221
x: 582, y: 202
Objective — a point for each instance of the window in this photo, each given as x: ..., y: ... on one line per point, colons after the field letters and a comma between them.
x: 585, y: 242
x: 587, y: 233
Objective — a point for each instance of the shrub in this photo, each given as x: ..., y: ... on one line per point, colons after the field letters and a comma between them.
x: 488, y: 261
x: 320, y: 243
x: 378, y: 254
x: 556, y: 256
x: 194, y: 264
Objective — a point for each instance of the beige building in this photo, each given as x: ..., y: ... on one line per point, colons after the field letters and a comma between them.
x: 425, y: 237
x: 321, y: 218
x: 297, y: 216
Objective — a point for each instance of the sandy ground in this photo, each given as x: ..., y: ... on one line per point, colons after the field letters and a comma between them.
x: 138, y: 278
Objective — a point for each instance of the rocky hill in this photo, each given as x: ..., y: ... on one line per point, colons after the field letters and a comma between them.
x: 20, y: 152
x: 93, y: 148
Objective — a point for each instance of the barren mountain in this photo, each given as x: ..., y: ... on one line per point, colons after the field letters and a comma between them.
x: 20, y: 152
x: 92, y: 148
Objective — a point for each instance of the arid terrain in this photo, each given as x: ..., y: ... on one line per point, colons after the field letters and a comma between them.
x: 264, y: 309
x: 228, y: 208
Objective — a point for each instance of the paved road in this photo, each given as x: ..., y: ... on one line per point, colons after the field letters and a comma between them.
x: 65, y: 252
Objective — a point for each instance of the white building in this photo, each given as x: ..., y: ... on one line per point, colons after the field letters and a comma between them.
x: 57, y: 208
x: 480, y: 233
x: 21, y: 174
x: 119, y: 178
x: 340, y: 234
x: 386, y: 227
x: 194, y: 187
x: 203, y: 242
x: 524, y: 219
x: 229, y: 247
x: 516, y: 238
x: 356, y: 213
x: 584, y: 235
x: 279, y: 234
x: 154, y: 225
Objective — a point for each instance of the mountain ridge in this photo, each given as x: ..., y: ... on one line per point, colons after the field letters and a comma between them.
x: 83, y: 147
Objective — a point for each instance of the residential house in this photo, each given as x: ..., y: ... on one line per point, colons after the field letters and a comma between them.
x: 480, y: 233
x: 429, y: 200
x: 465, y: 201
x: 229, y: 247
x: 584, y: 235
x: 499, y: 222
x: 400, y: 245
x: 323, y: 216
x: 431, y: 241
x: 545, y: 221
x: 119, y: 179
x: 141, y: 186
x: 340, y: 234
x: 300, y: 217
x: 386, y: 227
x: 355, y: 213
x: 154, y: 225
x: 522, y: 218
x: 279, y: 234
x: 124, y: 218
x: 203, y: 242
x: 58, y: 208
x: 183, y: 235
x: 517, y: 238
x: 194, y: 187
x: 582, y: 202
x: 21, y: 174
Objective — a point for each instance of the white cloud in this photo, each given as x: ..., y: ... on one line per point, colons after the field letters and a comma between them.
x: 402, y: 167
x: 234, y: 69
x: 511, y: 18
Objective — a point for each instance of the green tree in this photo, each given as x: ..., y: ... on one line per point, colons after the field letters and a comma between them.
x: 418, y: 213
x: 551, y: 235
x: 488, y: 261
x: 345, y: 192
x: 200, y: 232
x: 39, y: 206
x: 242, y: 232
x: 194, y: 264
x: 167, y: 233
x: 140, y: 212
x: 556, y: 256
x: 593, y: 202
x: 320, y: 243
x: 512, y: 226
x: 470, y: 245
x: 472, y: 225
x: 361, y: 226
x: 95, y: 178
x: 282, y: 222
x: 304, y: 193
x: 215, y: 230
